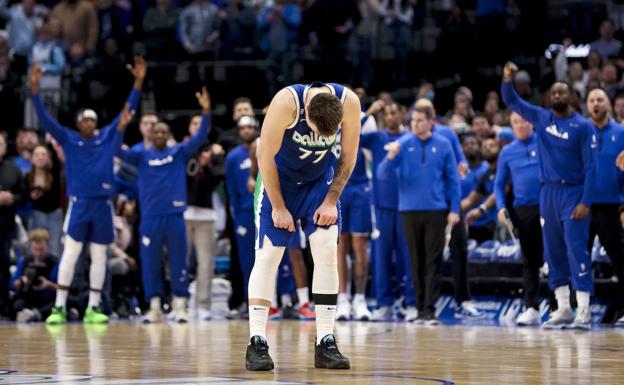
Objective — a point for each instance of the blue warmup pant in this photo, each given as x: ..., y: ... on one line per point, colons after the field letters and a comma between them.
x: 157, y: 232
x: 391, y: 242
x: 565, y: 239
x: 245, y: 229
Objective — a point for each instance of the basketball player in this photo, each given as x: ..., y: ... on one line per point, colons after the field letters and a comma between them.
x: 162, y: 199
x: 297, y: 182
x: 89, y: 170
x: 567, y: 159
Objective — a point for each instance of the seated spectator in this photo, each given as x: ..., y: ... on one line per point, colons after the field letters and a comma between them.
x: 493, y: 112
x: 607, y: 46
x: 33, y: 282
x: 482, y: 127
x: 123, y: 263
x: 609, y: 79
x: 80, y: 23
x: 25, y: 142
x: 618, y: 108
x: 11, y: 193
x: 199, y: 27
x: 49, y: 56
x: 578, y: 77
x: 44, y: 186
x: 159, y: 27
x: 23, y: 20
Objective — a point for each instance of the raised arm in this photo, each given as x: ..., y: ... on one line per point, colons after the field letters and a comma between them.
x: 327, y: 213
x: 515, y: 103
x: 281, y: 113
x: 138, y: 71
x: 190, y: 147
x: 47, y: 122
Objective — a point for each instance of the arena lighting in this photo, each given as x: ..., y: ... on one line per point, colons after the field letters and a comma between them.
x: 573, y: 51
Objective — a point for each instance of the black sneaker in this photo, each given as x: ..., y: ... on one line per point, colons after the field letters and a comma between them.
x: 258, y: 357
x: 327, y: 355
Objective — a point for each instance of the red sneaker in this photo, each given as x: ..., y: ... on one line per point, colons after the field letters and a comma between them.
x: 274, y: 313
x: 306, y: 313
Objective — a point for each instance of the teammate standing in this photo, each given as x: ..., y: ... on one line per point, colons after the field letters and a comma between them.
x: 89, y: 171
x: 566, y: 147
x: 297, y: 182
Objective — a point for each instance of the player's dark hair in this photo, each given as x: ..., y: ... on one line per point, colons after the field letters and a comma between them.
x: 325, y: 111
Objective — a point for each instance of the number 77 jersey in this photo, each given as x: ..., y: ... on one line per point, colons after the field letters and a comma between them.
x: 304, y: 155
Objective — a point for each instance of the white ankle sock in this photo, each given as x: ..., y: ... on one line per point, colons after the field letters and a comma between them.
x: 155, y: 303
x: 258, y: 316
x: 286, y: 300
x: 582, y: 299
x: 61, y: 298
x: 359, y: 298
x: 562, y: 293
x: 302, y: 294
x: 325, y: 319
x: 343, y: 297
x: 97, y: 273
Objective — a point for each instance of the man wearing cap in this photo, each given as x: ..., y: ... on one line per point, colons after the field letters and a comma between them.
x: 89, y: 170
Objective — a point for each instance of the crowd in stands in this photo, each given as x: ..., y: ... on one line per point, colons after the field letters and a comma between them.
x: 83, y: 46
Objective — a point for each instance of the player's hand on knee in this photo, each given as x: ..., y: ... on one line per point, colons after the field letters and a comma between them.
x: 326, y: 214
x: 580, y: 212
x: 283, y: 220
x: 620, y: 161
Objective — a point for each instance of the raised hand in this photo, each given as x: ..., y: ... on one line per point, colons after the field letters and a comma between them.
x: 126, y: 117
x: 203, y: 98
x: 35, y: 75
x: 139, y: 69
x: 509, y: 71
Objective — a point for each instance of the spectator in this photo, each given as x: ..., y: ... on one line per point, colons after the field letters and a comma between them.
x: 492, y: 111
x: 199, y: 27
x: 618, y: 108
x: 522, y: 81
x: 238, y: 28
x: 609, y: 79
x: 80, y: 23
x: 33, y: 281
x: 482, y: 127
x: 399, y: 16
x: 577, y: 77
x: 279, y: 24
x: 44, y: 186
x: 115, y: 20
x: 11, y: 193
x: 24, y: 18
x: 25, y: 143
x: 49, y: 56
x: 607, y: 46
x: 9, y: 94
x: 364, y: 41
x: 160, y: 27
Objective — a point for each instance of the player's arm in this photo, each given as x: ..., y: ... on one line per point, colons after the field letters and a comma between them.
x: 190, y: 147
x: 472, y: 199
x: 588, y: 154
x: 500, y: 183
x: 477, y: 213
x: 47, y: 122
x: 138, y: 71
x: 528, y: 111
x: 281, y: 113
x: 327, y: 213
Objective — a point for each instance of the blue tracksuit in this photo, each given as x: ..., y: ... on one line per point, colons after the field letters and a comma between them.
x: 162, y: 199
x: 391, y: 239
x: 610, y: 187
x: 355, y: 201
x: 518, y: 165
x: 449, y: 134
x: 425, y: 169
x: 566, y: 148
x: 89, y: 173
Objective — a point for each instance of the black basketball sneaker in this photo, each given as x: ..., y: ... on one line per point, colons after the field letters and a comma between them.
x: 327, y: 355
x: 257, y: 357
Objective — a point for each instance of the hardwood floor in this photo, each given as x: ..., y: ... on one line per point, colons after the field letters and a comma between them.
x: 388, y: 353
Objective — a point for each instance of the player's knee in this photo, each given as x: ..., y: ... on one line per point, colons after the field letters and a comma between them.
x: 72, y: 250
x: 269, y: 256
x: 98, y: 252
x: 323, y: 244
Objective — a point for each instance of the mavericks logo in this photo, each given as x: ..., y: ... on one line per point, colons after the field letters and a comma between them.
x: 313, y: 140
x: 552, y: 130
x: 160, y: 162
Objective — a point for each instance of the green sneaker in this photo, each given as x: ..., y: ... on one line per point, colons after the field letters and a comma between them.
x: 57, y: 317
x: 94, y: 315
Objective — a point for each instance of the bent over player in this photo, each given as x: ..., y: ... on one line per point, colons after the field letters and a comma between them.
x: 297, y: 182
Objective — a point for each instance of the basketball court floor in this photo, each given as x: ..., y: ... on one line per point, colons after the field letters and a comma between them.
x: 380, y: 353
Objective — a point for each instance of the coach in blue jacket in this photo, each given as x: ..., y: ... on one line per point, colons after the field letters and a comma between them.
x: 428, y: 183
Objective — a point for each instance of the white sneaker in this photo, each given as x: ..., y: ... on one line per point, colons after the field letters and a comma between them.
x: 468, y: 309
x: 204, y: 314
x: 530, y: 317
x: 360, y: 310
x: 28, y: 315
x: 382, y: 314
x: 582, y: 321
x: 559, y: 319
x: 343, y: 310
x: 620, y: 322
x: 180, y: 314
x: 411, y: 313
x: 153, y: 316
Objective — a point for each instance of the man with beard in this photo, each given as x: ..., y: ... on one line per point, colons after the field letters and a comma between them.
x: 483, y: 192
x: 607, y: 214
x: 567, y: 150
x: 518, y: 165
